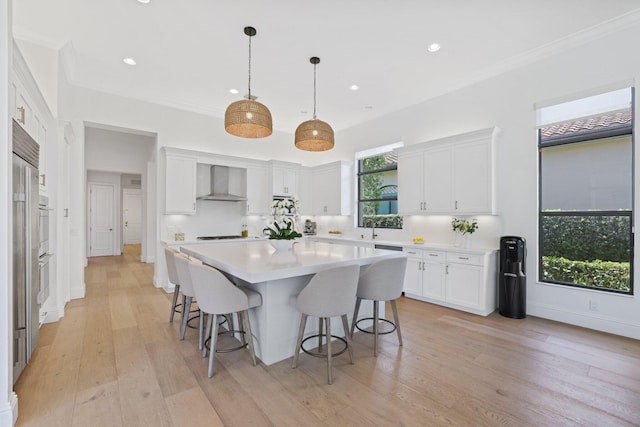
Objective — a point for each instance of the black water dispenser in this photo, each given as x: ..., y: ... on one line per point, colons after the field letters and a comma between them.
x: 512, y: 279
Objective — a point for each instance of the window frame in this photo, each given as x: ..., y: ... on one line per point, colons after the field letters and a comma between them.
x: 359, y: 175
x: 577, y: 139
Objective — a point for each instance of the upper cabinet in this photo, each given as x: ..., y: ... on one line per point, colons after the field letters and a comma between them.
x: 284, y: 178
x: 454, y: 175
x: 180, y: 184
x: 258, y: 196
x: 331, y: 185
x: 29, y: 108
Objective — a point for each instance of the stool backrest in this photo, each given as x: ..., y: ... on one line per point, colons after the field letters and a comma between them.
x: 171, y: 265
x: 215, y: 293
x: 383, y: 280
x: 184, y: 277
x: 330, y: 292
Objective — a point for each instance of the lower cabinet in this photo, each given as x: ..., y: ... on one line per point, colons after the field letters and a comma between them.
x: 460, y: 280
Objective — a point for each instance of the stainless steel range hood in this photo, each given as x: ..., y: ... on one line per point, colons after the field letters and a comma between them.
x: 226, y: 184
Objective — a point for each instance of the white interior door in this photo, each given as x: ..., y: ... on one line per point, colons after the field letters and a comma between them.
x: 101, y: 220
x: 132, y: 216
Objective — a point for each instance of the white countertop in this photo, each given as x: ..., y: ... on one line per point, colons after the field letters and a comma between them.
x: 406, y: 244
x: 258, y: 261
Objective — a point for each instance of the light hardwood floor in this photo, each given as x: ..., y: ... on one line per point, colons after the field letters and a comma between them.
x: 115, y: 360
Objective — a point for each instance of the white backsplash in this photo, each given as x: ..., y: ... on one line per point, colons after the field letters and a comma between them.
x: 213, y: 218
x: 225, y: 218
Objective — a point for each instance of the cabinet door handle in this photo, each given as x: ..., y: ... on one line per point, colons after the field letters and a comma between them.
x: 456, y: 205
x: 463, y: 257
x: 412, y: 253
x: 423, y: 266
x: 21, y: 118
x: 446, y: 271
x: 433, y: 255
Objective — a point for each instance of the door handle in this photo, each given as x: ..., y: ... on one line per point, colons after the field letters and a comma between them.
x: 126, y: 223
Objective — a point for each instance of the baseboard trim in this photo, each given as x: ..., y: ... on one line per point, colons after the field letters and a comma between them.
x: 595, y: 322
x: 9, y: 411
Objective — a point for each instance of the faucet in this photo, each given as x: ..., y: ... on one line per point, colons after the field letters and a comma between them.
x: 373, y: 229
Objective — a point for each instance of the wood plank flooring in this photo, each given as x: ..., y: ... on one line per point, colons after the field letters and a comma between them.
x: 115, y: 360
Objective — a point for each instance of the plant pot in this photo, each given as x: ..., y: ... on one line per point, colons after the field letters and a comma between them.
x: 282, y: 245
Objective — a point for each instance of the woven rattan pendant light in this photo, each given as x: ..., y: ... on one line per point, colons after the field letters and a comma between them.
x: 248, y: 118
x: 314, y: 134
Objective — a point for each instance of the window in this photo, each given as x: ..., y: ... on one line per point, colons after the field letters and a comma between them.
x: 586, y: 193
x: 378, y: 191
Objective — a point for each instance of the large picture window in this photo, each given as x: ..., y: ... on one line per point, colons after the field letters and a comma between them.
x: 378, y: 191
x: 586, y: 197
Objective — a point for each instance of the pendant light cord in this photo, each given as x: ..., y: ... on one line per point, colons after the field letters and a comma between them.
x: 314, y: 91
x: 249, y: 68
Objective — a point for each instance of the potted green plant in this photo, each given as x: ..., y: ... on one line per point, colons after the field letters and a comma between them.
x: 282, y: 232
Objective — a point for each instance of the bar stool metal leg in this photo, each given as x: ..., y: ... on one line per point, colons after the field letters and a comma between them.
x: 212, y: 351
x: 303, y: 324
x: 355, y: 316
x: 376, y: 306
x: 186, y: 304
x: 397, y: 320
x: 345, y: 325
x: 174, y: 302
x: 329, y: 355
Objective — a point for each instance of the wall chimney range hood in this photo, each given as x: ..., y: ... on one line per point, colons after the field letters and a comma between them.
x: 226, y: 184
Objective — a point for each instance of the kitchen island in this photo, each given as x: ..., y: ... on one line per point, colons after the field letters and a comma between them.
x: 277, y: 276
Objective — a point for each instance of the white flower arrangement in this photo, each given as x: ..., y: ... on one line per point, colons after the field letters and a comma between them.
x: 285, y: 213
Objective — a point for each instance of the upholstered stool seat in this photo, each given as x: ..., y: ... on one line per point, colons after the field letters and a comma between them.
x: 216, y: 296
x: 381, y: 281
x: 329, y: 293
x: 188, y: 294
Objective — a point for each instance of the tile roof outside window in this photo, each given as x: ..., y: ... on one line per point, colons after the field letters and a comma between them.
x: 620, y: 119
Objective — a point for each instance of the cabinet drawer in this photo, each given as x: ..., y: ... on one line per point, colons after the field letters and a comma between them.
x: 413, y: 253
x: 434, y: 256
x: 463, y: 258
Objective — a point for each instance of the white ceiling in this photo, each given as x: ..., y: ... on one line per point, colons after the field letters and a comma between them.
x: 191, y: 52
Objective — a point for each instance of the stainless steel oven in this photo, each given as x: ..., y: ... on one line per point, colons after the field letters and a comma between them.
x: 44, y: 256
x: 43, y: 266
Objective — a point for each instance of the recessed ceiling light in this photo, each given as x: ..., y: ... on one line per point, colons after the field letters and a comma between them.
x: 144, y: 1
x: 234, y: 91
x: 129, y: 61
x: 354, y: 87
x: 433, y: 47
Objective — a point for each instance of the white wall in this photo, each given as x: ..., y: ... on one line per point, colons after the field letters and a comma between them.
x: 508, y: 101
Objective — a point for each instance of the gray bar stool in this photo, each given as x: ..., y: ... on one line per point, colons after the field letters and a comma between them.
x: 329, y: 293
x: 217, y: 295
x: 173, y: 278
x: 382, y: 281
x: 186, y: 285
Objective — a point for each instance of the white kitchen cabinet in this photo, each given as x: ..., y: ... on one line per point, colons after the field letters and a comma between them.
x: 453, y: 175
x: 180, y: 184
x: 461, y: 280
x: 258, y: 196
x: 332, y: 189
x: 30, y: 110
x: 284, y: 178
x: 425, y: 274
x: 305, y: 191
